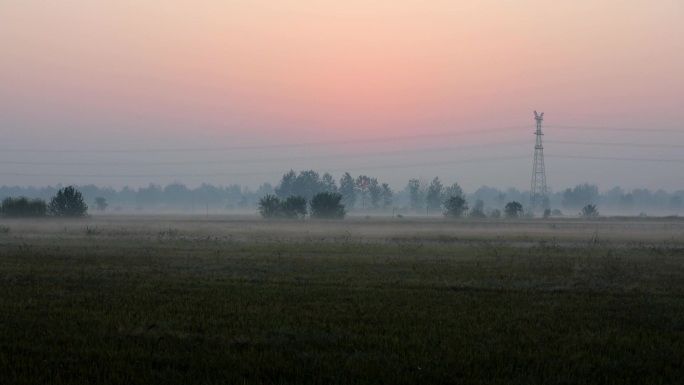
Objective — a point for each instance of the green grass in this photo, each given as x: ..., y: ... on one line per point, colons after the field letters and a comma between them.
x: 300, y: 304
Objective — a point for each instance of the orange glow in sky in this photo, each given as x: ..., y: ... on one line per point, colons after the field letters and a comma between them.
x: 336, y: 69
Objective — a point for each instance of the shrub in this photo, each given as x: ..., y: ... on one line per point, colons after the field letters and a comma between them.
x: 68, y: 203
x: 589, y: 212
x: 327, y: 205
x: 101, y: 203
x: 294, y: 207
x: 478, y: 210
x: 513, y: 209
x: 270, y: 206
x: 23, y: 207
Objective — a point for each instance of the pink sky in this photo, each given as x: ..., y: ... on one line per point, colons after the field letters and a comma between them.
x: 131, y: 74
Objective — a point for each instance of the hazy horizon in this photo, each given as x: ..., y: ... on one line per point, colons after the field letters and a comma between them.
x: 130, y: 93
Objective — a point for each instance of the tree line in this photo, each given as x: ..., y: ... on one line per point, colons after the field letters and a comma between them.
x: 67, y: 202
x: 363, y: 193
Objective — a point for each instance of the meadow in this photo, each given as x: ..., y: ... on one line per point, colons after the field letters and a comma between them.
x: 237, y: 299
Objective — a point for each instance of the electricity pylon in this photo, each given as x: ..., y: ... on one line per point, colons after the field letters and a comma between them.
x: 538, y: 192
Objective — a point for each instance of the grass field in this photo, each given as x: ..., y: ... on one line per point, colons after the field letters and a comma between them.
x: 151, y: 299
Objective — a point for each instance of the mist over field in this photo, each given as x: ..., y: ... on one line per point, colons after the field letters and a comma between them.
x: 426, y: 198
x: 341, y: 192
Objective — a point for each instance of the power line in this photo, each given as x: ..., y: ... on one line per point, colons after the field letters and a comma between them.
x: 634, y: 129
x: 393, y: 166
x: 262, y: 160
x: 618, y: 144
x: 276, y: 146
x: 619, y: 158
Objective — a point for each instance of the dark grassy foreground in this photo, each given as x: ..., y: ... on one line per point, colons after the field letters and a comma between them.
x: 104, y: 307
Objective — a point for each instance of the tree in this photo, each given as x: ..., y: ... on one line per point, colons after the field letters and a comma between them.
x: 435, y: 195
x: 327, y: 205
x: 177, y: 193
x: 68, y: 203
x: 362, y: 188
x: 478, y: 210
x: 294, y: 207
x: 386, y: 195
x: 579, y: 196
x: 307, y: 184
x: 589, y: 212
x: 375, y: 192
x: 286, y: 186
x: 23, y: 207
x: 416, y: 196
x: 513, y: 209
x: 455, y: 207
x: 348, y: 190
x: 547, y: 213
x: 328, y: 183
x: 453, y: 191
x: 101, y: 203
x: 270, y: 206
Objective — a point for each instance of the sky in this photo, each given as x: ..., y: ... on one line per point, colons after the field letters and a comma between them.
x: 127, y: 92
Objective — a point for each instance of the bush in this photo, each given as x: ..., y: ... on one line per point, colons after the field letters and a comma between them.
x: 478, y: 210
x: 101, y: 203
x: 513, y: 209
x: 23, y: 207
x: 455, y: 207
x: 68, y: 203
x: 294, y: 207
x: 589, y: 212
x: 327, y: 205
x: 270, y: 206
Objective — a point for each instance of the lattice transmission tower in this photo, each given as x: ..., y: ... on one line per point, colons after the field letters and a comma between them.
x: 538, y: 192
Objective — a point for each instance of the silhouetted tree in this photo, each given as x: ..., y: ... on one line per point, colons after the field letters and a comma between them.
x: 286, y: 186
x: 362, y: 184
x: 326, y: 205
x: 416, y: 196
x: 375, y: 192
x: 579, y: 196
x: 294, y: 207
x: 455, y: 207
x: 513, y: 209
x: 328, y: 183
x: 435, y: 195
x: 68, y: 203
x: 478, y: 210
x: 23, y: 207
x: 348, y: 190
x: 149, y: 195
x: 101, y: 203
x: 386, y: 196
x: 453, y: 191
x: 270, y: 206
